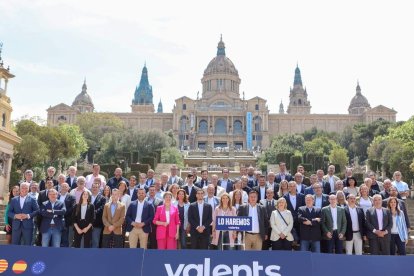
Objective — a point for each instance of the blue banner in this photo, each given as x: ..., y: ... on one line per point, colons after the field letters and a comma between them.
x: 249, y: 130
x: 233, y: 223
x: 30, y: 260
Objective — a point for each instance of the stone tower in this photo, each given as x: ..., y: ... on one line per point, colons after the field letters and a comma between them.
x: 298, y: 98
x: 142, y: 102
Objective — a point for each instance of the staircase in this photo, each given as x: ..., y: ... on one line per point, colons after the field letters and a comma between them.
x: 2, y: 233
x: 410, y: 210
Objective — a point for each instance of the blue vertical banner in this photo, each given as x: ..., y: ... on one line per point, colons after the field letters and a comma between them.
x: 249, y: 132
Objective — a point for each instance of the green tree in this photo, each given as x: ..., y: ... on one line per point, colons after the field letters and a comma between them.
x: 172, y: 155
x: 77, y: 143
x: 339, y: 155
x: 30, y: 152
x: 321, y: 145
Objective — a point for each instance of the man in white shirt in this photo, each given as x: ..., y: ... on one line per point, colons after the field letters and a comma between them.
x: 200, y: 219
x: 164, y: 182
x: 218, y: 190
x: 331, y: 179
x: 261, y: 188
x: 401, y: 186
x: 71, y: 178
x: 254, y: 239
x: 34, y: 190
x: 355, y: 232
x: 174, y: 178
x: 95, y: 173
x: 214, y: 201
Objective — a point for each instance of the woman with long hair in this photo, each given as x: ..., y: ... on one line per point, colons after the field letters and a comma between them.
x: 83, y: 218
x: 174, y: 190
x: 168, y: 223
x: 107, y: 192
x: 283, y: 188
x: 236, y: 199
x: 224, y: 209
x: 14, y: 191
x: 399, y: 235
x: 341, y: 200
x: 124, y: 197
x: 237, y: 185
x: 364, y: 200
x: 182, y: 204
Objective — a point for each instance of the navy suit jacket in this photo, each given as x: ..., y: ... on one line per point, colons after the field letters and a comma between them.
x: 134, y: 194
x: 300, y: 201
x: 325, y: 200
x: 191, y: 197
x: 229, y: 187
x: 309, y: 191
x: 288, y: 177
x: 99, y: 207
x: 194, y: 218
x: 146, y: 217
x: 70, y: 202
x: 30, y: 207
x: 73, y: 185
x: 361, y: 222
x: 57, y: 215
x: 42, y: 184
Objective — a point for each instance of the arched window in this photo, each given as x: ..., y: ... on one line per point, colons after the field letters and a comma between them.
x: 203, y: 127
x: 257, y: 123
x: 62, y: 118
x: 184, y: 106
x: 220, y: 126
x: 238, y: 127
x: 3, y: 120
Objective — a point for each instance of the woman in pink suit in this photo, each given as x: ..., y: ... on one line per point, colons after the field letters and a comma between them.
x: 168, y: 223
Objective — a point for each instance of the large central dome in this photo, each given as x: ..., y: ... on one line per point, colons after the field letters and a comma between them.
x: 221, y: 64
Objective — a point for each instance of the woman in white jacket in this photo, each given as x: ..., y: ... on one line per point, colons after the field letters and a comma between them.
x: 281, y: 222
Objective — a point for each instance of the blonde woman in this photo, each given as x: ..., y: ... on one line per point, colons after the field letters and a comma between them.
x: 364, y: 200
x: 224, y: 209
x: 281, y: 222
x: 283, y: 189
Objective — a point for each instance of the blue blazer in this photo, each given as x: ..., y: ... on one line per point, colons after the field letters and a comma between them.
x: 57, y: 215
x: 134, y: 195
x: 30, y: 207
x: 288, y: 177
x: 146, y: 217
x: 73, y: 185
x: 300, y: 201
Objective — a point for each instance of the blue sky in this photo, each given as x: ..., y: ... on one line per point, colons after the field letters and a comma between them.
x: 51, y: 46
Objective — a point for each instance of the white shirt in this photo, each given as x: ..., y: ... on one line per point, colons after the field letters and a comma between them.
x: 332, y: 182
x: 210, y: 200
x: 354, y: 218
x: 318, y: 202
x: 90, y: 178
x: 262, y: 192
x: 223, y: 183
x: 22, y: 200
x: 139, y: 211
x: 200, y: 212
x: 394, y: 229
x: 83, y: 211
x: 164, y: 187
x: 131, y: 191
x: 299, y: 188
x: 93, y: 198
x: 62, y: 198
x: 53, y: 205
x: 167, y: 215
x: 255, y: 219
x: 293, y: 200
x: 190, y: 187
x: 334, y: 212
x: 401, y: 187
x: 380, y: 217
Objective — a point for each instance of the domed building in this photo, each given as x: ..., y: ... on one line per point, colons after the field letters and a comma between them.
x: 221, y: 117
x: 83, y: 102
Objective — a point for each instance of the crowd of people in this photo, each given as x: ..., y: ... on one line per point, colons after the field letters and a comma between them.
x: 319, y: 213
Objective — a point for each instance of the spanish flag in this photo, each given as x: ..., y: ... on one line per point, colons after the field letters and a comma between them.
x: 19, y: 267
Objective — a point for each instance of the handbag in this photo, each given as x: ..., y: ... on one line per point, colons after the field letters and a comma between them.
x: 293, y: 231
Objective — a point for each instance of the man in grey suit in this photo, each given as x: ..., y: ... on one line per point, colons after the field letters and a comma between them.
x: 333, y: 225
x: 379, y: 224
x: 174, y: 178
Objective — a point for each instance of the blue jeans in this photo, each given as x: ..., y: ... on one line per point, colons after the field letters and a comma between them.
x: 315, y: 246
x: 53, y: 234
x: 96, y: 236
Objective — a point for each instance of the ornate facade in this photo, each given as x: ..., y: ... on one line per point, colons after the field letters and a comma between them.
x: 8, y: 138
x: 222, y: 117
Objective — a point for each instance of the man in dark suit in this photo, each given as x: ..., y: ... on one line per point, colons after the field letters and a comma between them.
x: 271, y: 183
x: 270, y: 204
x: 174, y: 177
x: 132, y: 189
x: 313, y: 181
x: 99, y: 202
x: 155, y: 201
x: 200, y: 218
x: 71, y: 178
x: 294, y: 201
x: 52, y: 212
x: 69, y: 201
x: 139, y: 217
x: 260, y: 224
x: 43, y: 197
x: 320, y: 200
x: 394, y: 193
x: 204, y: 179
x: 113, y: 182
x: 306, y: 180
x: 165, y: 187
x: 191, y: 189
x: 309, y: 218
x: 283, y: 174
x: 50, y: 173
x: 386, y: 192
x: 261, y: 189
x: 379, y: 224
x: 225, y: 182
x: 300, y: 187
x: 355, y: 227
x: 251, y: 179
x: 245, y: 184
x: 22, y: 210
